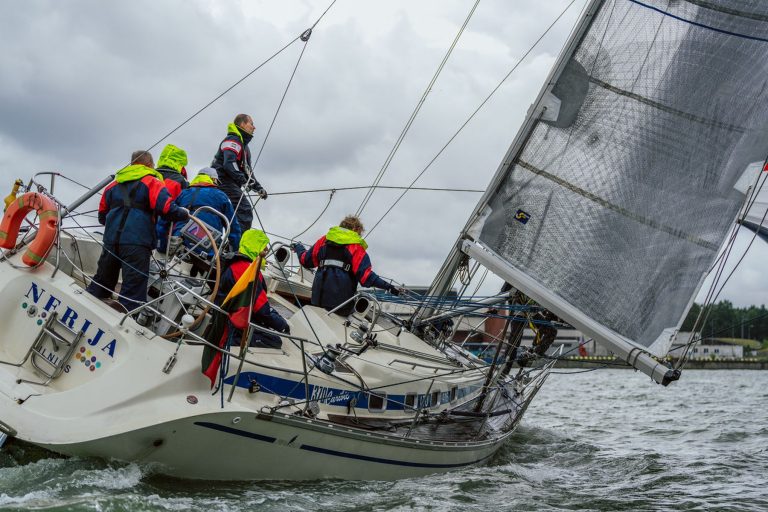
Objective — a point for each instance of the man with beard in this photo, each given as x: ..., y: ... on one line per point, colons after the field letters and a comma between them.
x: 233, y: 164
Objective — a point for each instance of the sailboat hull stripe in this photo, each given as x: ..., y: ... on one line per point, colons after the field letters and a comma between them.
x: 235, y: 431
x: 379, y: 460
x: 336, y: 453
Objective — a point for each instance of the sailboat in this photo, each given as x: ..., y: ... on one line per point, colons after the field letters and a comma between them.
x: 610, y: 206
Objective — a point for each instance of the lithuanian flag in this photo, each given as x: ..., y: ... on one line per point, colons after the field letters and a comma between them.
x: 237, y: 304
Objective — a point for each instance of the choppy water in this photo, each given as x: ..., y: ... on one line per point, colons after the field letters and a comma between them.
x: 603, y: 440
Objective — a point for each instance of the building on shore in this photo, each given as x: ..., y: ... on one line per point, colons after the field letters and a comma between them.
x: 707, y: 348
x: 479, y: 332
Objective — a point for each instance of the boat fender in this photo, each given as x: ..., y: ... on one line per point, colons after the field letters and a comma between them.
x: 46, y: 233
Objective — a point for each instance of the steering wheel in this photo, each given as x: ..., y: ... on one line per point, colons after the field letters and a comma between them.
x: 215, y: 288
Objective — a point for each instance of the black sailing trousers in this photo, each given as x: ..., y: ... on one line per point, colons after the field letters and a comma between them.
x: 133, y: 261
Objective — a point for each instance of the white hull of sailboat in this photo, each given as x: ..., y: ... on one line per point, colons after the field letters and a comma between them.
x: 115, y: 397
x: 235, y: 446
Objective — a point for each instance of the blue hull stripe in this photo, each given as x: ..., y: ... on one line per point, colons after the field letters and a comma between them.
x: 325, y: 451
x: 337, y: 396
x: 346, y: 455
x: 235, y: 431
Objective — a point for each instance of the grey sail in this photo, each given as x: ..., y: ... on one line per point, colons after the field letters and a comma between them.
x: 618, y: 192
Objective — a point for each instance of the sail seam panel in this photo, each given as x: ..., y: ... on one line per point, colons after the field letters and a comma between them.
x: 697, y: 24
x: 665, y: 108
x: 623, y: 211
x: 727, y: 10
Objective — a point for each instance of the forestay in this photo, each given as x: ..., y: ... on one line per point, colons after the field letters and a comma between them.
x: 617, y: 194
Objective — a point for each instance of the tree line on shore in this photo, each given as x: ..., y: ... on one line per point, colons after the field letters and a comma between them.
x: 723, y: 320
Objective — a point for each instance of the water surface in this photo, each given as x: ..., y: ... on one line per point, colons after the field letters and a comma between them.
x: 601, y: 440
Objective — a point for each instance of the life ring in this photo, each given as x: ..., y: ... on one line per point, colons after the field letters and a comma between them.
x: 48, y: 213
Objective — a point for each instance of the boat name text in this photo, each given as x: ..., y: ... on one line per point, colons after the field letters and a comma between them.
x: 330, y: 395
x: 70, y: 318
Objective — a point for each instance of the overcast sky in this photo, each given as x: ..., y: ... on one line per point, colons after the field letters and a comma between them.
x: 85, y: 82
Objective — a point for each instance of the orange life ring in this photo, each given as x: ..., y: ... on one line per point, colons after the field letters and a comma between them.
x: 46, y: 233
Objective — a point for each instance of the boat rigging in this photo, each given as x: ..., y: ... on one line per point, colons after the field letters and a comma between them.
x: 594, y: 219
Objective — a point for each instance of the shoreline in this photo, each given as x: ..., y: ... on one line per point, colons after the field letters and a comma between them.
x: 747, y: 363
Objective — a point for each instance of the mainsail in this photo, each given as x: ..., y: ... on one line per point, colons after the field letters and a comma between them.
x: 618, y: 192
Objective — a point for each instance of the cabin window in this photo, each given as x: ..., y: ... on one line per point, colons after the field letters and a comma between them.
x: 377, y: 402
x: 410, y: 400
x: 435, y: 398
x: 454, y: 390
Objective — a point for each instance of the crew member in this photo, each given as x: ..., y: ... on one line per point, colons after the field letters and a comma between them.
x: 203, y: 191
x: 233, y: 163
x: 252, y: 245
x: 172, y: 165
x: 127, y: 211
x: 342, y: 263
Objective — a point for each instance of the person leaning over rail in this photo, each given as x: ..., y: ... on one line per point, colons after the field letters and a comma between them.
x: 128, y: 208
x: 233, y: 163
x: 172, y: 165
x: 342, y: 262
x: 254, y: 243
x: 203, y: 191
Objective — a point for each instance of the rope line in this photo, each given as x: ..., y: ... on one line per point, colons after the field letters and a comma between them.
x: 330, y: 198
x: 415, y: 112
x: 472, y: 116
x: 221, y: 95
x: 304, y: 36
x: 713, y: 292
x: 321, y: 16
x: 696, y: 339
x: 280, y: 105
x: 363, y: 187
x: 238, y: 82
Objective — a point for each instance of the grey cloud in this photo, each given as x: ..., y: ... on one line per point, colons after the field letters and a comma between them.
x: 85, y: 82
